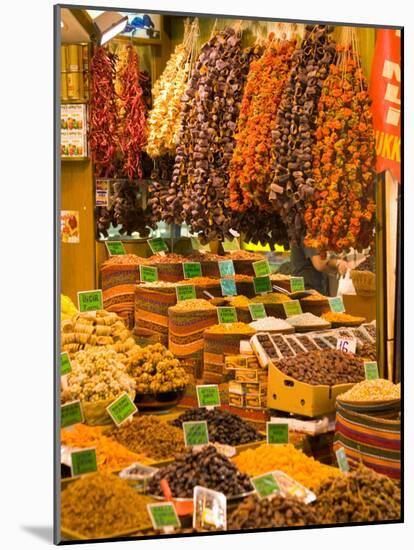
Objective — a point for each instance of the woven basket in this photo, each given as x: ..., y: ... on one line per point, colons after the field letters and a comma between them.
x: 364, y: 282
x: 171, y: 273
x: 151, y: 309
x: 120, y: 300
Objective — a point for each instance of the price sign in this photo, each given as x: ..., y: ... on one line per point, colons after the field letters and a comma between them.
x: 292, y: 308
x: 277, y: 433
x: 115, y: 248
x: 196, y: 245
x: 191, y: 270
x: 148, y: 274
x: 83, y: 462
x: 70, y: 414
x: 346, y: 344
x: 261, y: 268
x: 158, y: 246
x: 65, y: 365
x: 262, y: 285
x: 122, y: 408
x: 371, y: 370
x: 342, y: 459
x: 231, y: 246
x: 90, y: 300
x: 185, y: 292
x: 297, y: 284
x: 257, y: 311
x: 227, y: 314
x: 228, y: 287
x: 336, y: 304
x: 208, y: 395
x: 163, y: 515
x: 265, y: 485
x: 195, y: 433
x: 226, y: 268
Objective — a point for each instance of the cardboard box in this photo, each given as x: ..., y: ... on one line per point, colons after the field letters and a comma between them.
x: 361, y: 306
x: 236, y: 387
x: 255, y: 401
x: 247, y: 375
x: 236, y: 400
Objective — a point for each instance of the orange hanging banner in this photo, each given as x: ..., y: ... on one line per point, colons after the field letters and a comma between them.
x: 386, y: 106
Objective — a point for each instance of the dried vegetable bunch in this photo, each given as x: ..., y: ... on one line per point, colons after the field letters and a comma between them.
x: 294, y: 135
x: 159, y: 189
x: 127, y: 209
x: 341, y: 212
x: 103, y: 116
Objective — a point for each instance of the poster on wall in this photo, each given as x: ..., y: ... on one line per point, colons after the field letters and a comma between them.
x: 69, y: 226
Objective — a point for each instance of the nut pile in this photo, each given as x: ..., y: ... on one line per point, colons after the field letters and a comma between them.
x: 207, y: 468
x: 197, y: 304
x: 372, y: 390
x: 328, y: 367
x: 223, y: 426
x: 230, y: 328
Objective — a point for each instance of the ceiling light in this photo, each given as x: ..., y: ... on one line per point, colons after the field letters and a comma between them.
x: 108, y: 25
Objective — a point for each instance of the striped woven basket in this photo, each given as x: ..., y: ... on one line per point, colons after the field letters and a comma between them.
x: 374, y: 439
x: 118, y: 285
x: 151, y: 309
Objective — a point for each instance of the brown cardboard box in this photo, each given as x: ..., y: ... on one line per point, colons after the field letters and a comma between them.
x: 360, y: 306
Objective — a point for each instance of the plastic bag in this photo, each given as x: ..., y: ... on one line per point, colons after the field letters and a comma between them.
x: 346, y: 286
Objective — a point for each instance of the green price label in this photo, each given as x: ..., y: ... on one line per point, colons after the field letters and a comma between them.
x: 297, y: 284
x: 228, y: 287
x: 261, y: 268
x: 185, y: 292
x: 226, y: 268
x: 262, y: 285
x: 122, y: 408
x: 191, y: 270
x: 115, y: 248
x: 371, y: 370
x: 158, y: 246
x: 336, y: 304
x: 208, y: 396
x: 342, y: 460
x: 65, y: 365
x: 231, y: 246
x: 227, y: 314
x: 196, y: 245
x: 265, y: 485
x: 90, y: 300
x: 277, y: 433
x: 148, y: 274
x: 257, y: 311
x: 70, y: 414
x: 292, y: 308
x: 195, y: 433
x: 163, y: 515
x: 83, y: 462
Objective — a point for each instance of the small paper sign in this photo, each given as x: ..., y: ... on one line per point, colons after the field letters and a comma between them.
x: 158, y: 246
x: 371, y: 370
x: 337, y: 304
x: 148, y: 274
x: 122, y: 408
x: 228, y: 287
x: 292, y: 308
x: 226, y: 268
x: 83, y: 462
x: 262, y: 285
x: 297, y: 284
x: 163, y: 515
x: 277, y: 433
x: 65, y: 365
x: 115, y: 248
x: 208, y: 395
x: 342, y: 460
x: 227, y: 314
x: 70, y: 414
x: 346, y: 344
x: 191, y: 270
x: 195, y: 433
x: 231, y: 246
x: 257, y: 311
x: 261, y: 268
x: 90, y: 300
x: 185, y: 292
x: 265, y: 485
x: 196, y: 245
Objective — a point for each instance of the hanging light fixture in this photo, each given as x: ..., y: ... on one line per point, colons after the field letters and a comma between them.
x: 108, y: 25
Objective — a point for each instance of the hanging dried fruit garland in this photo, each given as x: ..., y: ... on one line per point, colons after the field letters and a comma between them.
x: 341, y: 212
x: 252, y: 164
x: 295, y: 130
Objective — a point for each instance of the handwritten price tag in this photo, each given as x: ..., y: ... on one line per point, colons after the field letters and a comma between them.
x: 277, y: 433
x: 122, y: 408
x: 297, y: 284
x: 371, y: 370
x: 337, y: 304
x: 191, y: 270
x: 65, y: 364
x: 185, y: 292
x: 262, y: 285
x: 195, y: 433
x: 115, y: 248
x: 342, y: 460
x: 257, y: 311
x: 346, y: 344
x: 90, y: 300
x: 158, y: 246
x: 261, y: 268
x: 83, y: 462
x: 226, y: 268
x: 163, y: 515
x: 227, y: 314
x: 265, y: 485
x: 208, y: 395
x: 148, y: 274
x: 228, y: 287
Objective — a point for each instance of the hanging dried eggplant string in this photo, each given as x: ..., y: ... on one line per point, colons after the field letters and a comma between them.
x: 295, y: 129
x: 341, y: 212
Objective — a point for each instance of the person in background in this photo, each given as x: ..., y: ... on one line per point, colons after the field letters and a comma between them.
x: 307, y: 263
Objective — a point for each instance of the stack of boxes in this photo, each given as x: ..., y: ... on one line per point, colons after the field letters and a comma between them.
x: 248, y: 384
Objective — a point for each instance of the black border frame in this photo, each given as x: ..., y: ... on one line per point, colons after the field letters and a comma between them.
x: 57, y: 272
